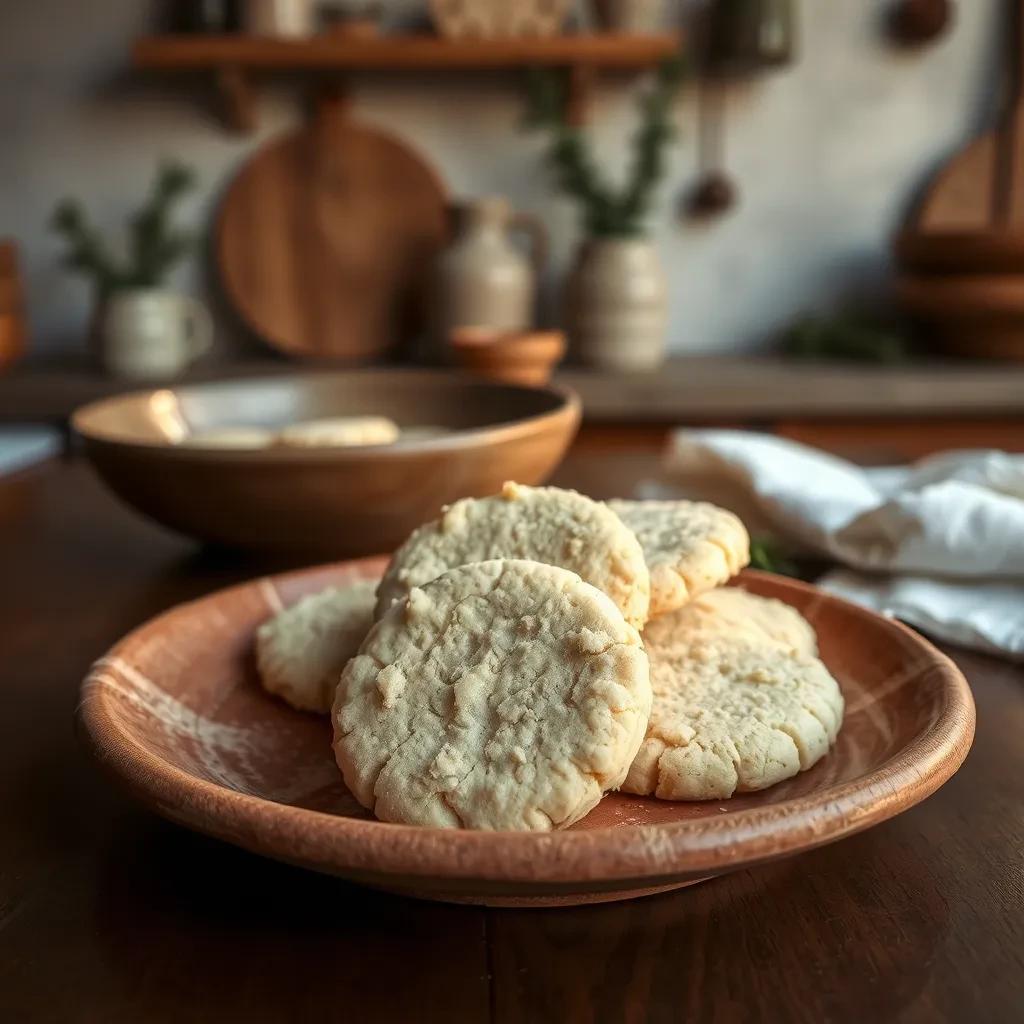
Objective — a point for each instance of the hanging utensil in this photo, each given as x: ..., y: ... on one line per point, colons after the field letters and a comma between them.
x: 740, y: 37
x: 715, y: 191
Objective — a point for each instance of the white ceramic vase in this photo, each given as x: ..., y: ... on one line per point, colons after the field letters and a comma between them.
x: 150, y: 334
x: 618, y: 305
x: 485, y: 280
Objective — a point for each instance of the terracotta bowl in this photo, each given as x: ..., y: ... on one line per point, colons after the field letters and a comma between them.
x: 328, y: 501
x: 175, y: 712
x: 527, y: 358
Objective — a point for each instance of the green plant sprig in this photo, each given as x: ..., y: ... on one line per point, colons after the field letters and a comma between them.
x: 154, y: 246
x: 771, y: 555
x: 606, y: 212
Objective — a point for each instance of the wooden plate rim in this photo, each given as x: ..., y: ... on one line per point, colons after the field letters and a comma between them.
x: 628, y: 853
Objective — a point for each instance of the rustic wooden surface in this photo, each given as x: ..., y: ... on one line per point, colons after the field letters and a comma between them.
x: 109, y: 914
x: 688, y: 389
x: 411, y: 52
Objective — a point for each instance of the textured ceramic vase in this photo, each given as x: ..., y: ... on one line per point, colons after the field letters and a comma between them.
x: 618, y: 305
x: 484, y: 279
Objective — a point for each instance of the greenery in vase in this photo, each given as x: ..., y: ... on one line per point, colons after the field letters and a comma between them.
x: 607, y: 212
x: 849, y: 336
x: 154, y: 245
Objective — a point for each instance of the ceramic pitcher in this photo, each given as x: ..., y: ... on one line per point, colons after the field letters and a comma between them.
x: 484, y: 279
x: 149, y: 334
x: 618, y: 305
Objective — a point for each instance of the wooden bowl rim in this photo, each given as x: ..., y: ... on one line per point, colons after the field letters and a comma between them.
x: 689, y: 848
x: 567, y: 405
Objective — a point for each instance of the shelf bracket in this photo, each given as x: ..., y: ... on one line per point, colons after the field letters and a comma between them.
x: 238, y: 99
x: 581, y: 82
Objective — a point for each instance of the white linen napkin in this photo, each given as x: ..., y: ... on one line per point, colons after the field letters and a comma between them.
x: 946, y: 532
x: 22, y: 446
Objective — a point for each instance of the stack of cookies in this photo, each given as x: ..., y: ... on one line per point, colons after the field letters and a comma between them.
x: 526, y: 653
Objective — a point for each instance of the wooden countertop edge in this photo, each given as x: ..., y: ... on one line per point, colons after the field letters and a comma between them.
x: 686, y: 389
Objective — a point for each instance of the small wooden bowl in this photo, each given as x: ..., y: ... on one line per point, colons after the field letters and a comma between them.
x: 323, y: 501
x: 176, y: 713
x: 528, y: 358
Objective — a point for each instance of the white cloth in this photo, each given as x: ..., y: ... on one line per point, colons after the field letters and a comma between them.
x: 947, y: 532
x: 22, y: 446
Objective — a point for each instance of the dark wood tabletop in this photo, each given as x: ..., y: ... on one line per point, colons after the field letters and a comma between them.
x: 109, y: 914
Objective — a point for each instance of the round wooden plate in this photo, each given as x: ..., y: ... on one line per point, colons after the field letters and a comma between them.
x: 176, y: 712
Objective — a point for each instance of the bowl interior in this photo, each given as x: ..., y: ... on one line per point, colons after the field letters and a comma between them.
x: 436, y: 403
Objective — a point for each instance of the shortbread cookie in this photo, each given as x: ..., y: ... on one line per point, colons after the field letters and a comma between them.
x: 545, y: 524
x: 301, y: 651
x: 230, y: 437
x: 732, y: 611
x: 690, y: 547
x: 505, y: 694
x: 341, y: 431
x: 733, y: 711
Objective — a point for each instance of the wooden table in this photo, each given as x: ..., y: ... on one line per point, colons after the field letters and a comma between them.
x: 108, y: 914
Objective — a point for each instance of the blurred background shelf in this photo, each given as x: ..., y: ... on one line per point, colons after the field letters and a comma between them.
x: 339, y: 52
x: 234, y: 59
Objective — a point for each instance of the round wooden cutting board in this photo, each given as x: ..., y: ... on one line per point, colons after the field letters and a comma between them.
x: 325, y: 236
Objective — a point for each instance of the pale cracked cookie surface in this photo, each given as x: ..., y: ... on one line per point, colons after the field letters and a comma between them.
x: 543, y: 524
x: 505, y: 694
x: 734, y: 710
x: 733, y: 611
x: 301, y: 651
x: 690, y: 547
x: 340, y: 431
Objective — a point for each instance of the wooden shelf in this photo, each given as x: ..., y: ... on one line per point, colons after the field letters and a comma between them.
x: 414, y: 53
x: 233, y: 60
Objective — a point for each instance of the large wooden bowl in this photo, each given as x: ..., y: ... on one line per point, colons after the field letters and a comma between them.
x: 328, y: 501
x: 176, y: 713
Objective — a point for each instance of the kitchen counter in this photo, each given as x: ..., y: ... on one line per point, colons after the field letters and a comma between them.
x: 692, y: 389
x: 110, y: 914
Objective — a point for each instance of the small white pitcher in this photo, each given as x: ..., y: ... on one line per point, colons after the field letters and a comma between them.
x: 150, y: 334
